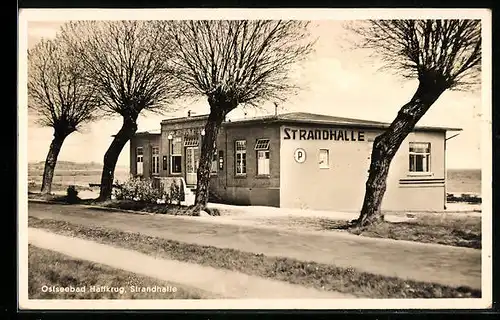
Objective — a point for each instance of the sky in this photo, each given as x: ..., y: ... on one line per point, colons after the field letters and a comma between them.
x: 335, y: 80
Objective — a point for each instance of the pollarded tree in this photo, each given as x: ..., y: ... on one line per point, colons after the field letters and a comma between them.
x: 441, y: 55
x: 128, y: 64
x: 234, y: 63
x: 59, y: 95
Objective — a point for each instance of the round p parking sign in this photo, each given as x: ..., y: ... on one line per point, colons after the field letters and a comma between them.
x: 300, y: 155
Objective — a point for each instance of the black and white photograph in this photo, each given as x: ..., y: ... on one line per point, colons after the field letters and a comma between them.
x: 254, y: 159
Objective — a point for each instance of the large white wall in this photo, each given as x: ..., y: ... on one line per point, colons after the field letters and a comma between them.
x: 341, y: 187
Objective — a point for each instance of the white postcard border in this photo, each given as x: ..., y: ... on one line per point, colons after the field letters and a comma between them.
x: 302, y: 13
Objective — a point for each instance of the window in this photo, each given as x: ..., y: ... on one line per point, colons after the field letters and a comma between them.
x: 191, y: 142
x: 324, y: 158
x: 262, y: 144
x: 156, y: 160
x: 420, y: 155
x: 215, y: 163
x: 262, y: 162
x: 221, y: 160
x: 165, y: 163
x: 262, y: 149
x: 139, y: 161
x: 176, y: 155
x: 241, y: 157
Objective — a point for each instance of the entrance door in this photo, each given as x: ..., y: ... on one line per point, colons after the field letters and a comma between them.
x: 191, y: 165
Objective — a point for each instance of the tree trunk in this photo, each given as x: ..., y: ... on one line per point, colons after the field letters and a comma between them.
x: 385, y: 147
x: 208, y: 146
x: 51, y: 161
x: 128, y: 129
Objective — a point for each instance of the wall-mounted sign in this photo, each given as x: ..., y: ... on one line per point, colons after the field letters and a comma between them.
x: 323, y: 134
x: 300, y: 155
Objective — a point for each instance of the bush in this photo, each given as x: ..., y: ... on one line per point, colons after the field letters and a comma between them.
x: 32, y: 184
x: 72, y: 195
x: 175, y: 194
x: 464, y: 197
x: 138, y: 189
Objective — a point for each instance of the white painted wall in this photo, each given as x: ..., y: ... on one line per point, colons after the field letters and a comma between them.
x: 341, y: 187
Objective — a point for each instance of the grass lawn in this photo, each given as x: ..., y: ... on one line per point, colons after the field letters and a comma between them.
x: 311, y: 274
x: 49, y: 268
x: 454, y: 231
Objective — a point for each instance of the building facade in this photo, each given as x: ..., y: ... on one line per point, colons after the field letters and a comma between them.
x: 296, y: 160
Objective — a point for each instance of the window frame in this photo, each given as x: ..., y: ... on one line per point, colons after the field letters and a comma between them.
x: 191, y: 141
x: 268, y: 163
x: 262, y: 145
x: 327, y: 165
x: 137, y: 157
x: 155, y: 155
x: 215, y: 159
x: 243, y: 158
x: 427, y: 155
x: 172, y: 155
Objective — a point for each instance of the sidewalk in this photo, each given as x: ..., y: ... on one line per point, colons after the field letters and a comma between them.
x: 227, y: 283
x: 453, y: 266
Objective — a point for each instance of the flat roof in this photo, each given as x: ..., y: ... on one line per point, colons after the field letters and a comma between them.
x: 154, y: 131
x: 185, y: 119
x: 307, y: 118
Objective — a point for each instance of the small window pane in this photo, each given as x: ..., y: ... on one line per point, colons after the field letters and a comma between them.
x: 324, y: 155
x: 165, y: 163
x: 139, y: 151
x: 262, y: 144
x: 191, y: 141
x: 241, y: 145
x: 420, y: 147
x: 419, y: 163
x: 156, y: 164
x: 176, y: 146
x: 176, y: 164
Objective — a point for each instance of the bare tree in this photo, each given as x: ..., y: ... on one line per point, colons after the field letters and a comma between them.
x: 442, y: 55
x: 59, y: 95
x: 128, y: 64
x: 234, y: 63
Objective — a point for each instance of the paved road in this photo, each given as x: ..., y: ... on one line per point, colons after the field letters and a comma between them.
x: 446, y: 265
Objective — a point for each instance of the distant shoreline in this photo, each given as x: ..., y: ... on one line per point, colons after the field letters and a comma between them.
x: 459, y: 181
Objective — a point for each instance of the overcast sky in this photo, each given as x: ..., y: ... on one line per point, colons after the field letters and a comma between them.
x: 336, y: 81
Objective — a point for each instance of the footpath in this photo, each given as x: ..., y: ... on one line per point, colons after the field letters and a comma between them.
x: 446, y: 265
x: 229, y: 284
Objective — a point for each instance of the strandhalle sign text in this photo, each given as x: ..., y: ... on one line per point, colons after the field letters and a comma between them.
x: 324, y: 134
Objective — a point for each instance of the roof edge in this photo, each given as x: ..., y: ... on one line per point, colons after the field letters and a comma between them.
x: 185, y: 119
x: 277, y: 119
x: 338, y: 124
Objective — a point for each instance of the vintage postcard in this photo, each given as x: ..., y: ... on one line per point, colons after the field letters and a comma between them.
x: 255, y: 159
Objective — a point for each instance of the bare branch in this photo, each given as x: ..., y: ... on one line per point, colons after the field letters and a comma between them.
x: 57, y: 91
x: 128, y: 62
x: 246, y: 62
x: 446, y: 51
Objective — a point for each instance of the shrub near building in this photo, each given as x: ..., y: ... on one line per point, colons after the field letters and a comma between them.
x: 143, y: 195
x: 141, y: 190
